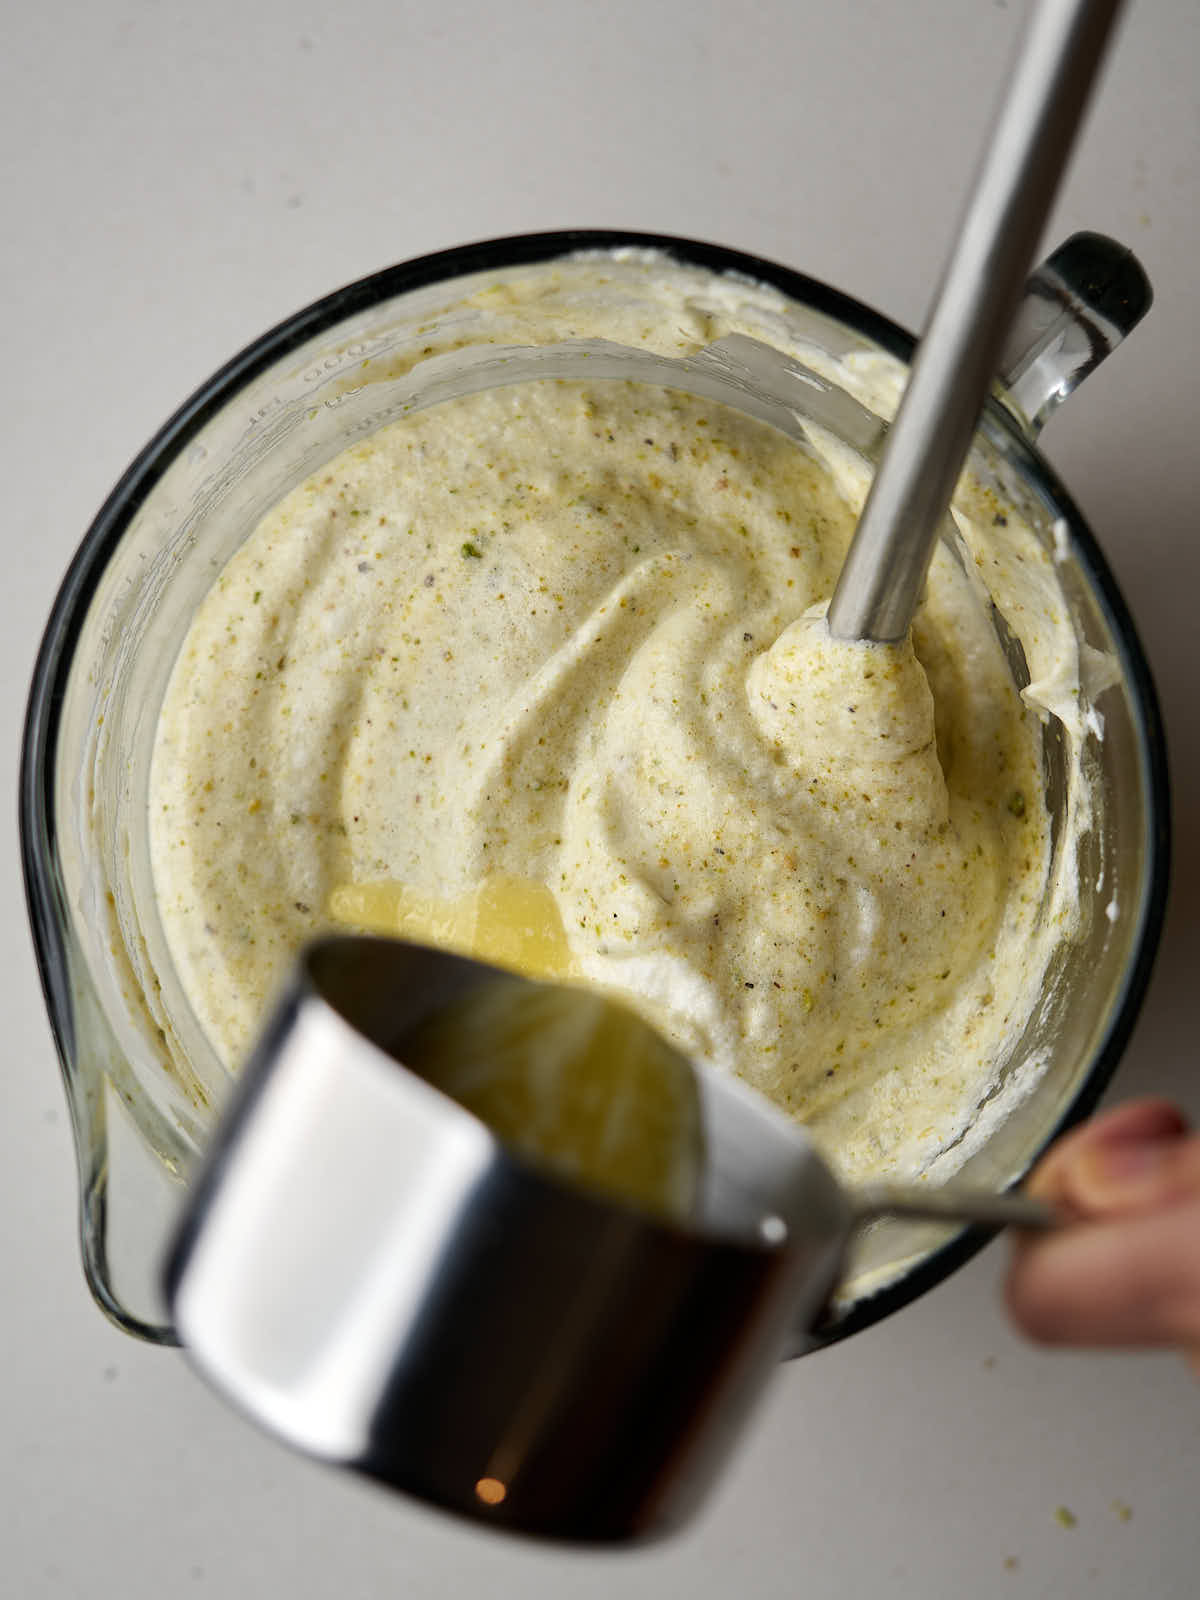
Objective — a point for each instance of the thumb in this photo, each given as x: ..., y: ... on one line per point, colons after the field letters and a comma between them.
x: 1136, y: 1123
x: 1131, y: 1177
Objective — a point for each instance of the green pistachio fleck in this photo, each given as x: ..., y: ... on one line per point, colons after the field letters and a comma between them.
x: 257, y: 596
x: 1016, y: 803
x: 472, y: 550
x: 1065, y: 1517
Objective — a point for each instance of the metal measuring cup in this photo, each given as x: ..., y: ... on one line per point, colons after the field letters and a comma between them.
x: 367, y: 1270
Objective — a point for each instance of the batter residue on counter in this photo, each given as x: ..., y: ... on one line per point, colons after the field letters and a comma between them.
x: 543, y: 672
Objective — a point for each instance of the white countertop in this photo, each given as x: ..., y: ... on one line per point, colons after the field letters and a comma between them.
x: 176, y: 179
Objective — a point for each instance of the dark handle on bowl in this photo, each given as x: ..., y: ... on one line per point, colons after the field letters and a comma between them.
x: 1077, y: 307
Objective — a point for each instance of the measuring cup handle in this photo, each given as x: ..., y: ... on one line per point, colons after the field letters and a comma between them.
x: 949, y: 1204
x: 1077, y: 307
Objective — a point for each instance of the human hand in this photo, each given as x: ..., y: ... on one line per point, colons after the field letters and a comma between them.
x: 1124, y: 1269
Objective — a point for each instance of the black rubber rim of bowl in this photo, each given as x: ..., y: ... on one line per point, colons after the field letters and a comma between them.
x: 47, y: 909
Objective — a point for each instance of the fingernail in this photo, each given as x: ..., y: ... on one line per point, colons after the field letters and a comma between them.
x: 1115, y: 1169
x: 1121, y: 1161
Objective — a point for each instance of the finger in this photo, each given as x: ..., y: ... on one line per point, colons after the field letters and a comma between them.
x: 1138, y: 1122
x: 1129, y: 1178
x: 1134, y: 1281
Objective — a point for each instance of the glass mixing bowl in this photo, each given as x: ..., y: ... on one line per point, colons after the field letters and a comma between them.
x: 143, y: 1082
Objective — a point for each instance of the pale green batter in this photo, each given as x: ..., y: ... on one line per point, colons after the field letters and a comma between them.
x: 570, y: 636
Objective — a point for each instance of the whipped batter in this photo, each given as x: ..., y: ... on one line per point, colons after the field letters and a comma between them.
x: 543, y: 672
